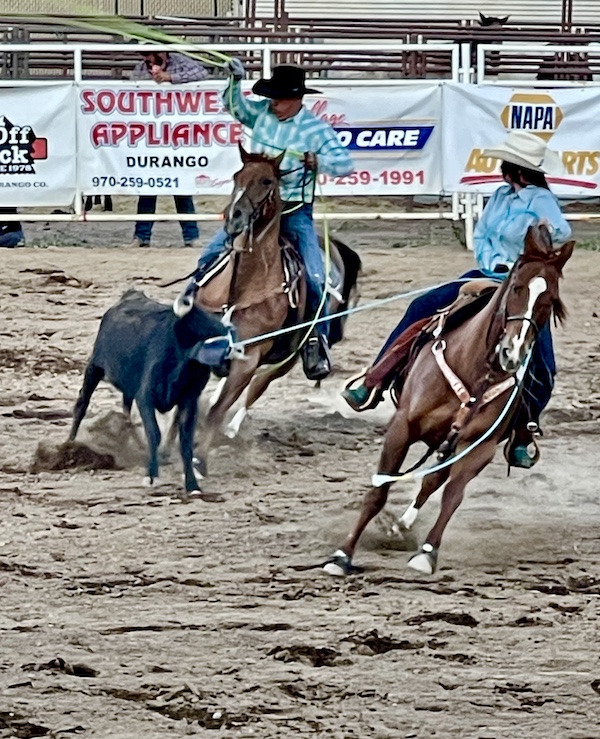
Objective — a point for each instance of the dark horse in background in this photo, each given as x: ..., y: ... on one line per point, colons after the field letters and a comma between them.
x: 484, y: 354
x: 261, y: 283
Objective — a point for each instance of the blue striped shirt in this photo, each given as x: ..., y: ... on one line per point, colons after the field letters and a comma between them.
x: 302, y: 133
x: 500, y: 232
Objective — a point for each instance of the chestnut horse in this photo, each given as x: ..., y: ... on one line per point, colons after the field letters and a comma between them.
x: 484, y: 355
x: 261, y: 293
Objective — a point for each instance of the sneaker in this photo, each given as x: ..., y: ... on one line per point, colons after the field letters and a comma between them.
x: 138, y: 242
x: 356, y: 397
x: 192, y: 244
x: 518, y: 456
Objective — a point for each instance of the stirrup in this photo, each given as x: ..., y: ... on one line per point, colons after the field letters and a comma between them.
x: 510, y: 446
x: 373, y: 399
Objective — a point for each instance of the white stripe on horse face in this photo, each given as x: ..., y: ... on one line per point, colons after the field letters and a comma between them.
x: 237, y: 195
x: 537, y: 286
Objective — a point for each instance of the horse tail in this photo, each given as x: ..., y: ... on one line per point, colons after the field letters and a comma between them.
x: 352, y: 268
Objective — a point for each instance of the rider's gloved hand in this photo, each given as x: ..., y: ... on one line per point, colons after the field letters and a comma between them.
x: 310, y: 161
x: 236, y: 69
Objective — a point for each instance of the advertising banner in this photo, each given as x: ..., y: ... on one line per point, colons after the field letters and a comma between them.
x: 37, y: 146
x: 476, y: 118
x: 151, y: 140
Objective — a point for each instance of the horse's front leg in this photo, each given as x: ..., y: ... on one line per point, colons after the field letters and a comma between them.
x: 395, y: 446
x: 461, y: 473
x: 240, y: 374
x: 260, y: 382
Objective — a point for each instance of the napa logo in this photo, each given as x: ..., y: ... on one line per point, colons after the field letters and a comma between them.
x: 534, y: 112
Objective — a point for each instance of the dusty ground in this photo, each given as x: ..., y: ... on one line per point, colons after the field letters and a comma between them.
x: 128, y: 614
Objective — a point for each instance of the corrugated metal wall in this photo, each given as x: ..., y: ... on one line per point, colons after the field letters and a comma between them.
x: 540, y: 11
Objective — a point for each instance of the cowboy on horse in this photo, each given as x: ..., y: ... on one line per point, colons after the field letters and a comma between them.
x: 282, y: 125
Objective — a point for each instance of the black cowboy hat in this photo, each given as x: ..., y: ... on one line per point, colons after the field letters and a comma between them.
x: 287, y: 82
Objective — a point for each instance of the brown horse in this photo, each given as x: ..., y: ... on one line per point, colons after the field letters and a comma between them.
x: 483, y: 354
x: 264, y: 290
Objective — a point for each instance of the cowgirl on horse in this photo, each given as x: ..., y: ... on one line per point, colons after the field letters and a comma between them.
x: 523, y: 201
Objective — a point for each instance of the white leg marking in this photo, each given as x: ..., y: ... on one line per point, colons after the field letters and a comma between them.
x: 409, y: 517
x: 233, y: 427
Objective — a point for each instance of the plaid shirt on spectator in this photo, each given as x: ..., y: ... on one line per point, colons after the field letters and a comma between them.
x: 181, y: 68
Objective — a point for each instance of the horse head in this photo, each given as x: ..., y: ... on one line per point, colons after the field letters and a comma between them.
x: 255, y: 199
x: 530, y: 296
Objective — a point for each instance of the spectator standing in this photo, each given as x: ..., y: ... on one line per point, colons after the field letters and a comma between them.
x: 174, y: 68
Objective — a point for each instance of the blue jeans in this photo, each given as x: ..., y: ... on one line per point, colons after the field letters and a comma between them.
x: 539, y: 382
x: 12, y: 238
x: 297, y: 227
x: 183, y: 204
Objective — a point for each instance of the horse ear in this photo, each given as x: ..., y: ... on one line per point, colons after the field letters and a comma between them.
x: 535, y: 243
x: 561, y: 256
x: 243, y: 153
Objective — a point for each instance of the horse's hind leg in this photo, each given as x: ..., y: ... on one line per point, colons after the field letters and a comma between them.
x: 93, y: 375
x: 394, y: 451
x: 257, y: 387
x: 461, y: 473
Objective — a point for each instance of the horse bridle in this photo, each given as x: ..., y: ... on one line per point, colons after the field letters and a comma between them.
x: 257, y: 211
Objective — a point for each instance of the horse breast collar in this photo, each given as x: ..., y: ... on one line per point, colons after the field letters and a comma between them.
x: 221, y: 272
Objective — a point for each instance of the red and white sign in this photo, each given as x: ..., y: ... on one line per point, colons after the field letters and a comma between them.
x: 37, y: 146
x: 149, y: 139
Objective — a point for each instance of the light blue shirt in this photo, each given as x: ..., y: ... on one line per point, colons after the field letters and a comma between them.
x: 297, y: 135
x: 500, y: 232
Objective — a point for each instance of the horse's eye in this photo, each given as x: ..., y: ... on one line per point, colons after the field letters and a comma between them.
x: 267, y: 182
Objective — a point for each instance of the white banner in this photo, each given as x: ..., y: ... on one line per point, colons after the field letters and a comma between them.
x: 37, y: 146
x: 393, y: 134
x: 141, y: 139
x: 476, y: 118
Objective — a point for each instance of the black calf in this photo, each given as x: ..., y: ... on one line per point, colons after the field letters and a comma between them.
x: 156, y: 359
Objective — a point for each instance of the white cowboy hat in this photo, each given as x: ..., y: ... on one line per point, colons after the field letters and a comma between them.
x: 526, y: 150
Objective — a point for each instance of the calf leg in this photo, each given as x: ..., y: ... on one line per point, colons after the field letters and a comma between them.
x: 148, y: 414
x: 93, y: 375
x: 186, y: 418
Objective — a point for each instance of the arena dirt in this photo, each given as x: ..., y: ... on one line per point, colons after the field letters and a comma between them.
x: 126, y: 613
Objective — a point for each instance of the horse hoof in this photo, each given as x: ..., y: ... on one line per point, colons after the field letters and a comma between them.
x: 425, y: 560
x: 339, y: 565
